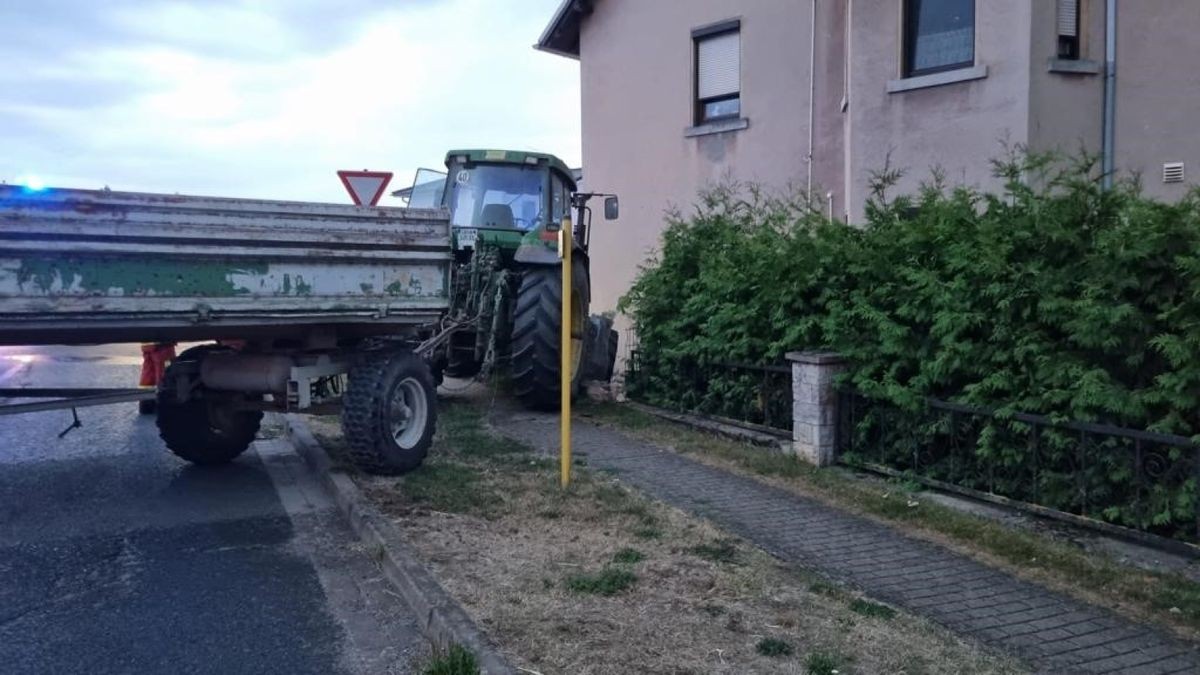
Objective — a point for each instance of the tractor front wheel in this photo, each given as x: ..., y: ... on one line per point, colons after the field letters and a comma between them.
x: 536, y: 339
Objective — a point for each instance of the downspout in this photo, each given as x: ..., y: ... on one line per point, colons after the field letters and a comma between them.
x: 812, y: 91
x: 1110, y: 93
x: 847, y: 120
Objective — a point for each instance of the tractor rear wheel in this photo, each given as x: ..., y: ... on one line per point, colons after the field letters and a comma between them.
x: 536, y: 339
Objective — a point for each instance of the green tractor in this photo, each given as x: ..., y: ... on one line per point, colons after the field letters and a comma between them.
x: 506, y: 210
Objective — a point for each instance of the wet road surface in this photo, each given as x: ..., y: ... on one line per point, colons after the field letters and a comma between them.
x: 116, y: 557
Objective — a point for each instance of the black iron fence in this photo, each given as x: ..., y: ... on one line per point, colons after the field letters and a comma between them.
x: 1137, y: 479
x: 752, y: 393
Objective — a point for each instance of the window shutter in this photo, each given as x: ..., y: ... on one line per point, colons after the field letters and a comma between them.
x: 718, y: 63
x: 1068, y: 18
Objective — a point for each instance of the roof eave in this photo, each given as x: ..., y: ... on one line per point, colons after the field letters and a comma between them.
x: 562, y: 33
x: 557, y: 52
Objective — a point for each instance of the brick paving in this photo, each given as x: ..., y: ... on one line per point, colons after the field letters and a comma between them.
x: 1048, y: 630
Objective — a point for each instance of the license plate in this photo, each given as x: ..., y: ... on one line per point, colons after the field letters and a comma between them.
x: 467, y: 237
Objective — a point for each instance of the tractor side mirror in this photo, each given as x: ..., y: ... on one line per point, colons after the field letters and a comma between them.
x: 612, y: 208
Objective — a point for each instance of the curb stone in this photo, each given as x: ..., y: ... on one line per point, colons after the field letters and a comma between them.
x: 441, y: 620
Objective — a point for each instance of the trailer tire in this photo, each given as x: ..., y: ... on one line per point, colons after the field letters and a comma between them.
x: 389, y: 412
x: 535, y: 336
x: 201, y: 430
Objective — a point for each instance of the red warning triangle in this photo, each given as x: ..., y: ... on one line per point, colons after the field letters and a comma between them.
x: 365, y: 187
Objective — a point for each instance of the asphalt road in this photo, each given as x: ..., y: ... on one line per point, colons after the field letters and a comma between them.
x: 116, y: 557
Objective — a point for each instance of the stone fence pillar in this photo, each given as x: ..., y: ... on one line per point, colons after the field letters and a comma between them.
x: 814, y: 406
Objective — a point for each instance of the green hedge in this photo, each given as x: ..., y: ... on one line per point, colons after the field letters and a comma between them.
x: 1053, y: 297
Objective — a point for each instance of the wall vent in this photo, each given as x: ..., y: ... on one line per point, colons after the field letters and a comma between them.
x: 1173, y: 172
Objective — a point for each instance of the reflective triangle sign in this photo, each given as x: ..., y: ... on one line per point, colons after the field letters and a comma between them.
x: 365, y: 187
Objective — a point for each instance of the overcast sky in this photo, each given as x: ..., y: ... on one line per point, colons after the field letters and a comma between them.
x: 268, y: 98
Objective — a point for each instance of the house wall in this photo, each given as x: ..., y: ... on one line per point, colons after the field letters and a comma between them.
x: 637, y: 101
x: 1066, y: 109
x: 956, y: 127
x: 636, y: 75
x: 1158, y: 90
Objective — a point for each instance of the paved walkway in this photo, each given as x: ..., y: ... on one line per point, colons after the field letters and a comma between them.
x: 1050, y: 631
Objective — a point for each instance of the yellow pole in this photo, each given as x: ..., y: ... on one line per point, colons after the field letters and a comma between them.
x: 564, y: 386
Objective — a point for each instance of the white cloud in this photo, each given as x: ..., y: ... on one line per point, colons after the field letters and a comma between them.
x: 246, y: 101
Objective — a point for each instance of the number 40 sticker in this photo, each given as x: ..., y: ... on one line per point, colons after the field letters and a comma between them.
x: 463, y: 177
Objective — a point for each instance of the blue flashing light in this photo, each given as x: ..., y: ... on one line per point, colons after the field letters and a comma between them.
x: 32, y: 183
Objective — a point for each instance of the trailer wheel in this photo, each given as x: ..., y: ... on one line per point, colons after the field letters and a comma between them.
x: 389, y: 412
x: 201, y: 430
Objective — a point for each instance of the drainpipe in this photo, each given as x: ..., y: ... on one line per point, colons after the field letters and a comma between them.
x: 1110, y: 92
x: 812, y: 91
x: 847, y: 120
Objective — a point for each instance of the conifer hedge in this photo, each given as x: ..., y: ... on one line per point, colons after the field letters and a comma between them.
x: 1054, y: 296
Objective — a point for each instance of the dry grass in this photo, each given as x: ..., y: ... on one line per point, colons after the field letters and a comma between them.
x: 1169, y: 600
x: 598, y: 579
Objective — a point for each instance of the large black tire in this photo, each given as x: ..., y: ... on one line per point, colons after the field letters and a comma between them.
x: 611, y: 366
x: 204, y: 431
x: 389, y: 412
x: 602, y: 349
x: 536, y: 338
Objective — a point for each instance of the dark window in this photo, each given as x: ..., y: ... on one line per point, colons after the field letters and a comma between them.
x: 718, y: 72
x: 938, y: 35
x: 1068, y: 29
x: 560, y: 201
x: 497, y: 195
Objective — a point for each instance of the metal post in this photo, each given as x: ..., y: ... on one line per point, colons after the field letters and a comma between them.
x: 1082, y: 473
x: 1137, y: 483
x: 564, y: 252
x: 1108, y: 142
x: 1196, y: 475
x: 1037, y: 463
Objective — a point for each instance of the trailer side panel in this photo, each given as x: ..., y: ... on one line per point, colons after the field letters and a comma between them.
x: 91, y: 266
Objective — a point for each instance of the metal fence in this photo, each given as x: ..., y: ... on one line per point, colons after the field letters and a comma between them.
x: 1137, y: 479
x: 758, y: 394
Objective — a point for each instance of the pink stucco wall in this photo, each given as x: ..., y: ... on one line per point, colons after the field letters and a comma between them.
x: 636, y: 76
x: 1158, y: 91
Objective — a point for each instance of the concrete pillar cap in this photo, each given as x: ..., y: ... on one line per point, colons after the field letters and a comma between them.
x: 816, y: 358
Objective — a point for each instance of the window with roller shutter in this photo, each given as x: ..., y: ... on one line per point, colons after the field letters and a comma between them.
x: 1068, y: 29
x: 718, y: 72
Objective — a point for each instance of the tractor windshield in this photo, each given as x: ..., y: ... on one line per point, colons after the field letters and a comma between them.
x: 503, y: 196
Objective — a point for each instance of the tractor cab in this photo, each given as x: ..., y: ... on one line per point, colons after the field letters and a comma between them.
x: 507, y: 212
x: 506, y: 190
x: 497, y: 196
x: 508, y: 198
